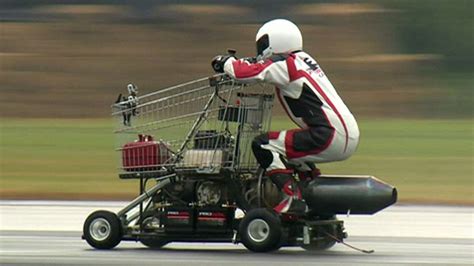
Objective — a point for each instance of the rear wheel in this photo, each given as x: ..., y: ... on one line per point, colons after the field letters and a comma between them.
x: 260, y: 230
x: 153, y: 243
x: 320, y: 240
x: 102, y: 230
x: 318, y: 245
x: 150, y: 222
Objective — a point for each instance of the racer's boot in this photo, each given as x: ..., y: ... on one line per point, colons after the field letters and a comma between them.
x: 293, y: 202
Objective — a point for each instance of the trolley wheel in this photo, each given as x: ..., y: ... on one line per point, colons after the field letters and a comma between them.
x: 320, y: 245
x: 323, y: 242
x: 149, y: 221
x: 260, y: 230
x: 153, y: 243
x: 102, y: 230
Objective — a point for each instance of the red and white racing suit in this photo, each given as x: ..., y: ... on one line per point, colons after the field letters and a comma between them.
x: 328, y: 130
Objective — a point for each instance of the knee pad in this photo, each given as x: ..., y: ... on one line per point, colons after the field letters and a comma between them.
x: 260, y: 140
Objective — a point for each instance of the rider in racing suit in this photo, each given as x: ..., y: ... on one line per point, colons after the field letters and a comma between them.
x: 328, y: 131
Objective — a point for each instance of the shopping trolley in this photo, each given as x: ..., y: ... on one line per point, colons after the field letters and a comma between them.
x: 193, y: 142
x: 205, y: 126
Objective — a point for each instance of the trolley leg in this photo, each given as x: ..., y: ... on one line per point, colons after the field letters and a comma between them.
x: 140, y: 212
x: 163, y: 181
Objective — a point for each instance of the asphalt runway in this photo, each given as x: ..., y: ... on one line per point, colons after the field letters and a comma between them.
x: 48, y: 233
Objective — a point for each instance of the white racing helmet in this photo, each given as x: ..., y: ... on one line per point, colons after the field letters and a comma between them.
x: 278, y: 36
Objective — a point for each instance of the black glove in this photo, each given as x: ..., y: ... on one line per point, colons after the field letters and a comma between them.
x: 219, y: 61
x: 251, y: 60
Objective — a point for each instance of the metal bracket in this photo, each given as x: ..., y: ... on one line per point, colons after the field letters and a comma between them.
x: 161, y: 182
x: 306, y: 239
x: 347, y: 245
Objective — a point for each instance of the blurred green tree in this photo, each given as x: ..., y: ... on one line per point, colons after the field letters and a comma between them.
x: 443, y: 27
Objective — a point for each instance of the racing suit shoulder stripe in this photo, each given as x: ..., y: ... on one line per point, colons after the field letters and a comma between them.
x: 243, y: 69
x: 294, y: 74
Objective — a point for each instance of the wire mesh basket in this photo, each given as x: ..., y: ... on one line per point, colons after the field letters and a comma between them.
x: 199, y: 127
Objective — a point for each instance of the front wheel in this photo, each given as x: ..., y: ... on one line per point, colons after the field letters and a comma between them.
x: 102, y: 230
x: 260, y: 230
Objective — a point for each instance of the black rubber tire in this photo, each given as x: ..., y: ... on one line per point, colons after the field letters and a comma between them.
x: 152, y: 243
x: 324, y: 243
x: 272, y: 230
x: 105, y: 224
x: 320, y: 245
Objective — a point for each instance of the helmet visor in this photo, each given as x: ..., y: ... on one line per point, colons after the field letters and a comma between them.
x: 262, y: 44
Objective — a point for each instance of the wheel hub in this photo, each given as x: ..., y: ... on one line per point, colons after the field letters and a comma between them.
x: 258, y: 230
x: 100, y: 229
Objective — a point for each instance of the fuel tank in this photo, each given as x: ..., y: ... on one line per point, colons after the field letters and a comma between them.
x: 342, y: 194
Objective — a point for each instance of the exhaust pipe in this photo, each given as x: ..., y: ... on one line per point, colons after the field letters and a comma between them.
x: 332, y: 194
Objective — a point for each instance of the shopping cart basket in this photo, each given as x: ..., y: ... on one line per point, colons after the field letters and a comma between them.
x: 203, y: 126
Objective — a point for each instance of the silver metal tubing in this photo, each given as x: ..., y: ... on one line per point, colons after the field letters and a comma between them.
x: 162, y: 181
x: 197, y: 122
x: 202, y: 113
x: 173, y: 87
x: 172, y: 96
x: 134, y: 216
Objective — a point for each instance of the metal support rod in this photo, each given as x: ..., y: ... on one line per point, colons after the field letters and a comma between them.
x: 198, y: 121
x: 142, y: 188
x: 162, y: 181
x: 260, y: 173
x: 306, y: 238
x: 136, y: 215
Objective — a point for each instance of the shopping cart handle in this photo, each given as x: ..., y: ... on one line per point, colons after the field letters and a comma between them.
x: 231, y: 51
x: 218, y: 78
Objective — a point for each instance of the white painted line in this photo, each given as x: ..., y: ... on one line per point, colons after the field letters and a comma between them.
x: 395, y: 221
